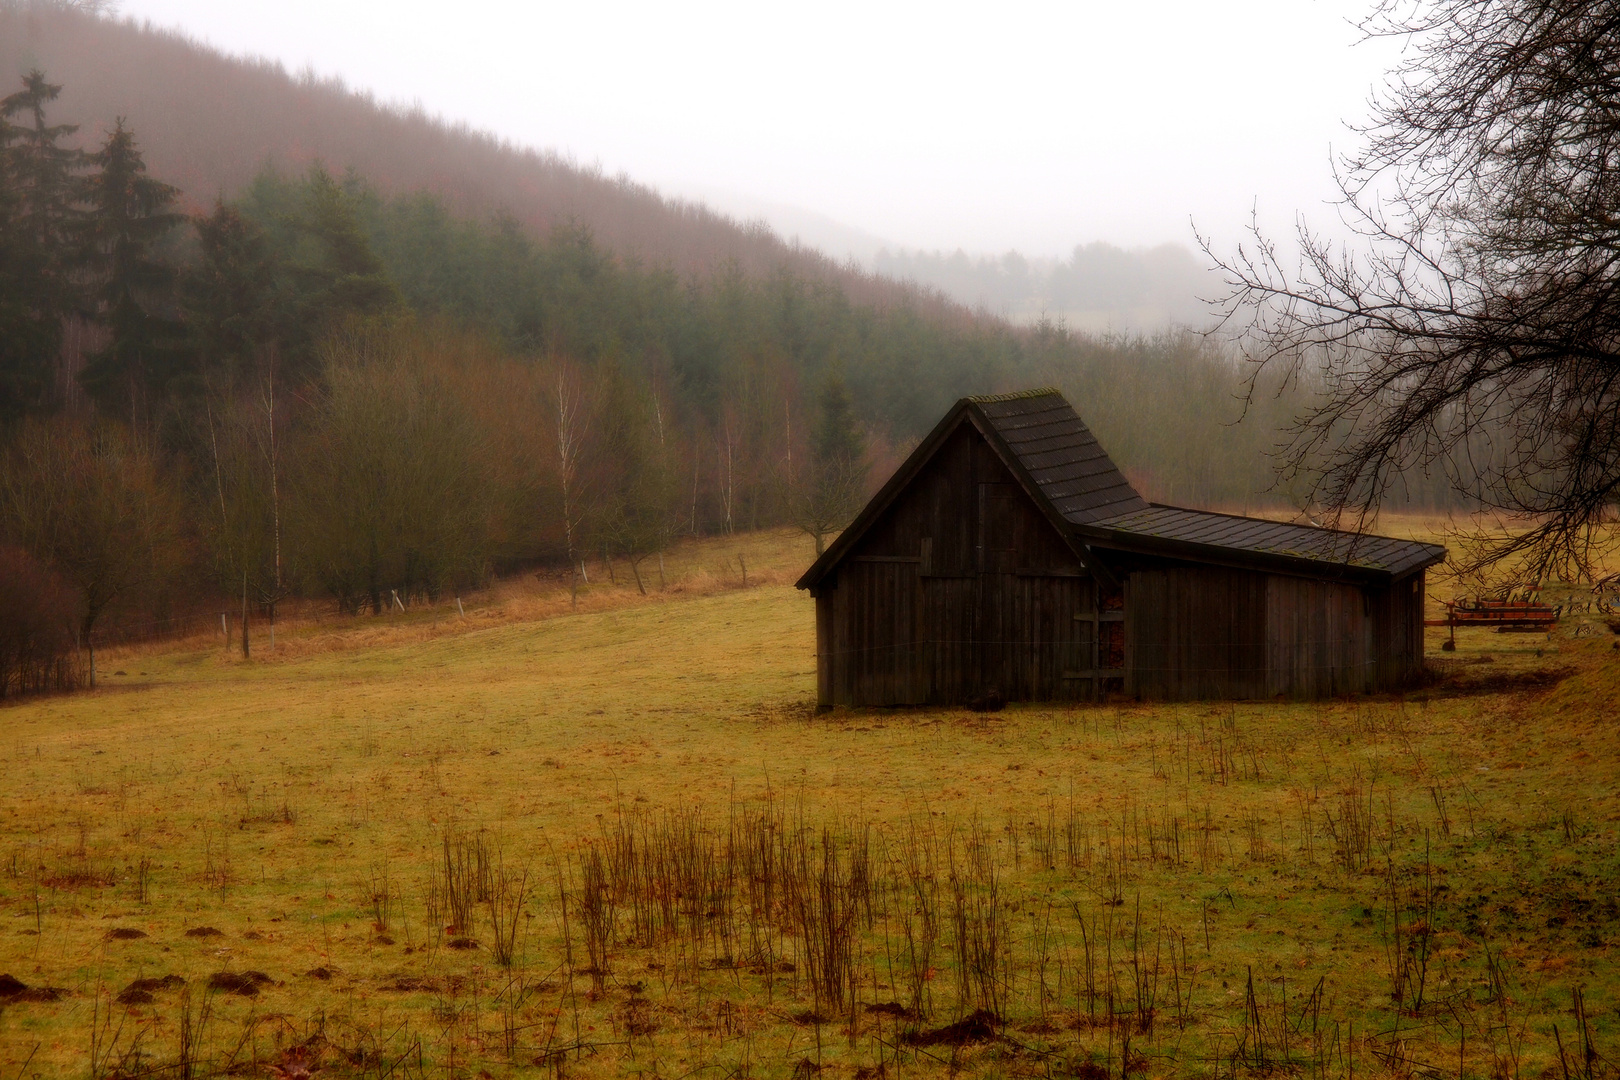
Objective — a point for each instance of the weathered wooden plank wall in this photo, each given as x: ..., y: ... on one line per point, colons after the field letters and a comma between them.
x: 1210, y: 632
x: 1195, y: 632
x: 1318, y: 638
x: 961, y: 587
x: 1397, y: 621
x: 964, y: 585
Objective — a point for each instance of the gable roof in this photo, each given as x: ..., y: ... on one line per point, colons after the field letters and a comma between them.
x: 1060, y: 454
x: 1060, y: 464
x: 1056, y: 446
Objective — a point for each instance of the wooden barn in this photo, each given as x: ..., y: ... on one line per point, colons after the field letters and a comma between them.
x: 1009, y: 554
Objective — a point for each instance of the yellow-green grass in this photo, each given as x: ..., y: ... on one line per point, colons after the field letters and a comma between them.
x: 270, y: 799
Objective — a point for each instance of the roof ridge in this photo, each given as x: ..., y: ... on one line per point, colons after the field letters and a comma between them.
x: 991, y: 399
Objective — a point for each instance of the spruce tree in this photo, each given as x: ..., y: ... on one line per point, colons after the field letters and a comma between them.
x: 840, y: 443
x: 825, y: 500
x: 353, y: 277
x: 40, y: 192
x: 230, y: 296
x: 133, y: 287
x: 637, y: 498
x: 322, y: 267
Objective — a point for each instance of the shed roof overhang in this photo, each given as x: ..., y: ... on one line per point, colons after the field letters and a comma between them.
x: 1276, y: 547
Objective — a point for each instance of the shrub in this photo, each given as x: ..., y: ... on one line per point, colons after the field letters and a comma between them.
x: 36, y: 636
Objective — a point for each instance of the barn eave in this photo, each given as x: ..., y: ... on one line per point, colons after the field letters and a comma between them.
x: 1365, y: 559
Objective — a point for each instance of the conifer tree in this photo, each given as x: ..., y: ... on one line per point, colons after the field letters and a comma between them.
x: 322, y: 268
x: 230, y: 294
x: 840, y: 444
x: 40, y: 190
x: 637, y: 500
x: 134, y: 288
x: 353, y: 277
x: 824, y: 501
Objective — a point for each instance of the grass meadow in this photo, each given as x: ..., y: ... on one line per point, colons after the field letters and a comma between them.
x: 529, y: 839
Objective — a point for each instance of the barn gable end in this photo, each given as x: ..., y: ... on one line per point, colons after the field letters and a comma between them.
x: 1010, y: 554
x: 960, y: 562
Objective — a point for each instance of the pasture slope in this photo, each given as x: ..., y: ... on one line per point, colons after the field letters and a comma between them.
x: 618, y: 842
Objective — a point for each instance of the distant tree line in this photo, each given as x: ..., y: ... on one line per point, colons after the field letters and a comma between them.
x: 314, y: 389
x: 1098, y: 283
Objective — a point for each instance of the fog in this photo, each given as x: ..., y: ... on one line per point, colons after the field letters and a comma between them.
x: 860, y: 127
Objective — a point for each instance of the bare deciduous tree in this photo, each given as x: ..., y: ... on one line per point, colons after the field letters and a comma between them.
x: 36, y: 635
x: 1475, y: 328
x: 244, y: 530
x: 393, y: 492
x: 573, y: 409
x: 93, y: 505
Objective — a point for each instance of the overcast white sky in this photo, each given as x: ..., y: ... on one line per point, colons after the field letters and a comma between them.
x: 988, y: 126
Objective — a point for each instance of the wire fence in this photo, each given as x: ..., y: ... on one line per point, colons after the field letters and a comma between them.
x: 223, y: 623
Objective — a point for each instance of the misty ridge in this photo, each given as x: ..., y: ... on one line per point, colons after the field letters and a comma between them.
x: 210, y: 123
x: 569, y: 761
x: 1099, y: 288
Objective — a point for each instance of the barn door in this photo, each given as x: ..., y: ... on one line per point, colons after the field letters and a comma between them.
x: 1051, y: 627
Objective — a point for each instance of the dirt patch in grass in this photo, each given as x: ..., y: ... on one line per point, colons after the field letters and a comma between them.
x: 79, y: 877
x: 1478, y: 681
x: 125, y: 933
x: 892, y: 1008
x: 243, y: 983
x: 979, y: 1026
x: 14, y: 989
x: 307, y: 1058
x: 143, y: 991
x: 204, y: 932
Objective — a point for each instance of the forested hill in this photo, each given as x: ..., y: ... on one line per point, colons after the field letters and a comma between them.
x: 209, y: 123
x: 264, y: 338
x: 439, y: 199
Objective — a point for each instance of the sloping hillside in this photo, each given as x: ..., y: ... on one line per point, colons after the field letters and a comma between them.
x: 209, y: 122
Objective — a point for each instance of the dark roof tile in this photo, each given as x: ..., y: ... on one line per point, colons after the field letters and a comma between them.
x: 1053, y: 445
x: 1281, y: 539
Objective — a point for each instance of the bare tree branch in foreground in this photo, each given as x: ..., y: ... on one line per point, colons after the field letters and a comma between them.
x: 1474, y: 330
